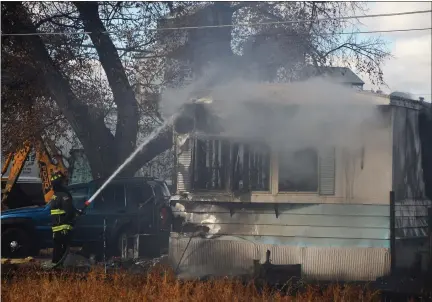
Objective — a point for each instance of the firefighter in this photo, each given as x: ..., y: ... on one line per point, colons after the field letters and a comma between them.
x: 63, y: 214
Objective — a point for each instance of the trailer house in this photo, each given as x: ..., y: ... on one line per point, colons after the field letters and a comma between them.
x: 320, y: 203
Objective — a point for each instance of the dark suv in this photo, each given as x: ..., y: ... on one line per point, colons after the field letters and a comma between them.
x: 126, y: 206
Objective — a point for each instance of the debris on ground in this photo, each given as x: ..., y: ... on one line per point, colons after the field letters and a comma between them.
x: 136, y: 266
x: 17, y: 261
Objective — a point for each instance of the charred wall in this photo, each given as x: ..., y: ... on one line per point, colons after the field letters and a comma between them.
x: 407, y: 155
x: 425, y: 132
x: 411, y: 179
x: 409, y: 163
x: 208, y: 161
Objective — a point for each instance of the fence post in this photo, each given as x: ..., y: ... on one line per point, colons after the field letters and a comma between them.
x: 430, y: 238
x: 392, y: 233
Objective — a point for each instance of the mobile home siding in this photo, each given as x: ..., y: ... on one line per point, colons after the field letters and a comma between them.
x: 345, y: 236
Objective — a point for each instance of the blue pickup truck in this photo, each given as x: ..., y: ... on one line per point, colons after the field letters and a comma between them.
x: 127, y: 206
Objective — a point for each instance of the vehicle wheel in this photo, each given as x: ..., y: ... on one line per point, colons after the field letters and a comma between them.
x: 123, y: 234
x: 92, y: 250
x: 16, y: 243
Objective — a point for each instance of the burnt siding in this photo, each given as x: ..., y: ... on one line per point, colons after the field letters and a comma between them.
x: 412, y: 218
x: 407, y: 169
x: 425, y: 126
x: 410, y: 199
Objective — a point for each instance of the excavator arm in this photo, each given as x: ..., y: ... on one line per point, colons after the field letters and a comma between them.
x: 7, y: 163
x: 19, y: 159
x: 45, y: 163
x: 47, y: 167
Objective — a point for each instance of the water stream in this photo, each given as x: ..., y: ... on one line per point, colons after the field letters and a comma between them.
x: 148, y: 139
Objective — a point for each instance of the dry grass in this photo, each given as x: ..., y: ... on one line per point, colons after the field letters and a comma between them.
x: 159, y: 285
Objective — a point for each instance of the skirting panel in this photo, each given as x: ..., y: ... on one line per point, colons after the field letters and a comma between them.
x: 228, y: 255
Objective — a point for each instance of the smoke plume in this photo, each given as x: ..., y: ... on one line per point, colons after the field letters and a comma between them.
x: 314, y: 113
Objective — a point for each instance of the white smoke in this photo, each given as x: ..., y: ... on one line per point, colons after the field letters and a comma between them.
x: 314, y: 113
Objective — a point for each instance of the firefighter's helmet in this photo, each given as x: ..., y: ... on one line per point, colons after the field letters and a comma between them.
x: 57, y: 177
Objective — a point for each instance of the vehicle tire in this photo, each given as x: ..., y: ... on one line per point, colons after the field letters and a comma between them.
x: 92, y: 249
x: 16, y: 243
x: 124, y: 232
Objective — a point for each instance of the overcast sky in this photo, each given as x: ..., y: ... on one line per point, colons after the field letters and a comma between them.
x: 410, y: 70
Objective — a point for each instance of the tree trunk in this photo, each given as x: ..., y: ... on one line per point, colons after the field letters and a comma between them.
x: 124, y: 96
x: 95, y: 137
x: 103, y: 151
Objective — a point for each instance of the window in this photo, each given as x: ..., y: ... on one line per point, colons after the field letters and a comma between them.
x: 259, y: 163
x: 111, y: 198
x: 298, y: 171
x: 251, y: 165
x: 209, y: 164
x: 139, y: 195
x: 239, y: 153
x: 79, y: 196
x: 219, y: 164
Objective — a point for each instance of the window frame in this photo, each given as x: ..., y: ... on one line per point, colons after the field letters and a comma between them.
x: 129, y: 204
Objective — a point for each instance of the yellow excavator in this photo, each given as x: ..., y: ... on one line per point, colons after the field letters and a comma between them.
x: 47, y: 164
